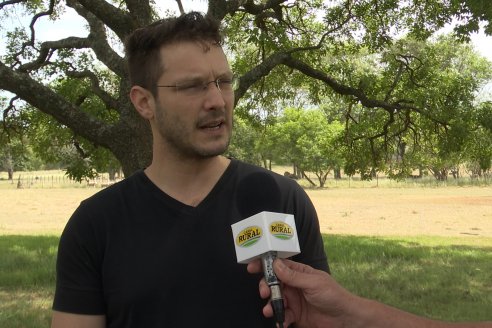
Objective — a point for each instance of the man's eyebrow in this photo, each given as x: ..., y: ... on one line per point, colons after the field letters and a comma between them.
x: 228, y: 75
x: 192, y: 78
x: 200, y: 78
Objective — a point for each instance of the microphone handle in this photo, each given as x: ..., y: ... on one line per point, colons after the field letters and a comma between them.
x: 272, y: 281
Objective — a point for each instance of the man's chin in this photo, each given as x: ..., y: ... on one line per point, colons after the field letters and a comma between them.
x: 213, y: 151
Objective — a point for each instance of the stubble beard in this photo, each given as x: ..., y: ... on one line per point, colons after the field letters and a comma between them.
x: 174, y: 133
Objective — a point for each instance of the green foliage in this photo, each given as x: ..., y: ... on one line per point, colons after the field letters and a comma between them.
x: 475, y: 11
x: 440, y: 80
x: 16, y: 152
x: 56, y: 144
x: 244, y: 141
x: 306, y: 139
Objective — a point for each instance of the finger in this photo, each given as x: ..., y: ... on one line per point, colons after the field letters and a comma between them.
x: 296, y: 266
x: 254, y: 266
x: 264, y: 289
x: 268, y: 310
x: 296, y: 274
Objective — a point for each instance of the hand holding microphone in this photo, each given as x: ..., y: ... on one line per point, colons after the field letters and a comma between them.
x: 264, y: 233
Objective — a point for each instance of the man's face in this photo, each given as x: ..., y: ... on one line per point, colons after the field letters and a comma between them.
x: 193, y: 124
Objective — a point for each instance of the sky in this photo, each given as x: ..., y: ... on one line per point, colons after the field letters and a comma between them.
x: 70, y: 25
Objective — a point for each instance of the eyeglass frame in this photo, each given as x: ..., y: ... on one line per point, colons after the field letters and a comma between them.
x: 204, y: 85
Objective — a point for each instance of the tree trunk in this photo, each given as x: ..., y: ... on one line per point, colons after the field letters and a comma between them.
x: 309, y: 180
x: 337, y: 173
x: 10, y: 165
x: 133, y: 149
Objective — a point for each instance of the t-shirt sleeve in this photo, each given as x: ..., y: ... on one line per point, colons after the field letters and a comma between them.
x: 308, y: 233
x: 78, y: 267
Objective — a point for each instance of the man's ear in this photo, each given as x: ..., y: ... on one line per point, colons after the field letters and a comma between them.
x: 143, y: 100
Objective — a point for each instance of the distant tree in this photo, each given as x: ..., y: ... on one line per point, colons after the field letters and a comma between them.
x: 306, y: 139
x: 440, y: 80
x: 244, y: 140
x: 479, y: 142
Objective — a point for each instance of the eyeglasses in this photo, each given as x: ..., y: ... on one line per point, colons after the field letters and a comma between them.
x: 195, y: 88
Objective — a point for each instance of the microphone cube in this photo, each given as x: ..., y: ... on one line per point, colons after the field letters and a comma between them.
x: 265, y: 232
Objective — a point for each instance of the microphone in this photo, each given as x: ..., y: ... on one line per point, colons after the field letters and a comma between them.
x: 265, y: 232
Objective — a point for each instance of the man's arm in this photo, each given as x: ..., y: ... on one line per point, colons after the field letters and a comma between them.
x: 373, y: 314
x: 63, y: 320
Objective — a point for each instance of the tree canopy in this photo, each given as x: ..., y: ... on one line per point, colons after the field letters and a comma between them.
x: 392, y: 85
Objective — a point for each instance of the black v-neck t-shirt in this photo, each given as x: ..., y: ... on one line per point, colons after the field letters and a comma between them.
x: 143, y: 259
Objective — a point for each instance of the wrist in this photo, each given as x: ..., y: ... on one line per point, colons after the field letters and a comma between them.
x: 361, y: 313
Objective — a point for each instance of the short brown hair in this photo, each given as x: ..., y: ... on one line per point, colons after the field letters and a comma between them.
x: 143, y: 45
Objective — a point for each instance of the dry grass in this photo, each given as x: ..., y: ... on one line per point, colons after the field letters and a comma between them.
x: 358, y: 210
x: 446, y: 211
x: 38, y: 211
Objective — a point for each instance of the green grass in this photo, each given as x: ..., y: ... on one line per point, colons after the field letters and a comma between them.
x: 442, y: 278
x: 27, y: 277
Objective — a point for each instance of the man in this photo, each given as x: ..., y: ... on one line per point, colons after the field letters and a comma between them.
x: 314, y: 299
x: 152, y: 250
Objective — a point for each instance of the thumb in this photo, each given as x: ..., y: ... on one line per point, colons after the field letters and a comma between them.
x: 294, y: 274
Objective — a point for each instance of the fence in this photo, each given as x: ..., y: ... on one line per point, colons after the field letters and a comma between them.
x: 51, y: 179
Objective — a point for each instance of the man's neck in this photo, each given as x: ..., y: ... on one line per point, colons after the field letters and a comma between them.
x: 188, y: 181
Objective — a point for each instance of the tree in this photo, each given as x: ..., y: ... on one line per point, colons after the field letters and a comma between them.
x: 479, y: 142
x: 287, y: 44
x: 244, y: 142
x: 16, y: 152
x: 306, y: 139
x: 439, y: 79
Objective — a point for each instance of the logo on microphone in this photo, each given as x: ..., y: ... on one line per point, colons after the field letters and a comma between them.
x: 249, y: 236
x: 281, y: 230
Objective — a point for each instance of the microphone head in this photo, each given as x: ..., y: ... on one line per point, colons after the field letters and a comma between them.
x: 263, y: 227
x: 258, y: 192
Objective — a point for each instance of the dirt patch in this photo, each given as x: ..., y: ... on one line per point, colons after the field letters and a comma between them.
x: 450, y: 211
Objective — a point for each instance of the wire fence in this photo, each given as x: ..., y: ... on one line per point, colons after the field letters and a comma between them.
x: 56, y: 179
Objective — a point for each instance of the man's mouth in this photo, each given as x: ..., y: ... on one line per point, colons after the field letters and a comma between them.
x: 215, y: 125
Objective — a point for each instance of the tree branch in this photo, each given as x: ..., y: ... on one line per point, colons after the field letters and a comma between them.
x: 11, y: 2
x: 98, y: 40
x: 405, y: 61
x: 108, y: 100
x: 395, y: 82
x: 33, y: 32
x: 47, y: 49
x: 258, y: 72
x: 358, y: 94
x: 116, y: 19
x: 51, y: 103
x: 255, y: 9
x: 140, y: 11
x: 180, y: 5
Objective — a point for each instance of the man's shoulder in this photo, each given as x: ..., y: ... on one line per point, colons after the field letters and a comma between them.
x: 245, y: 169
x: 129, y: 185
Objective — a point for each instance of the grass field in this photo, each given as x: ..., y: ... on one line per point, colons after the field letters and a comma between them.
x: 426, y: 250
